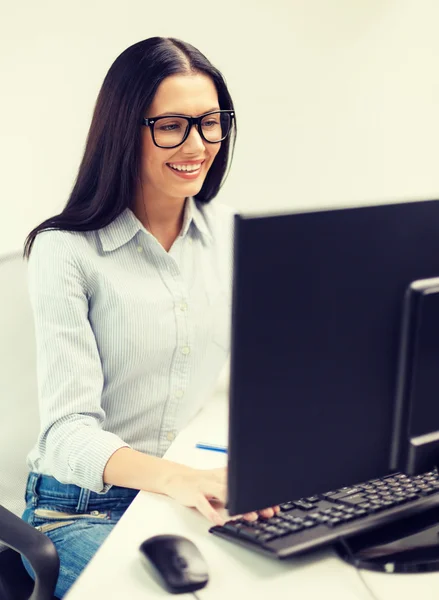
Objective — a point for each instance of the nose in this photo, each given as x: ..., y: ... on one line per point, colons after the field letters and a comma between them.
x: 194, y: 142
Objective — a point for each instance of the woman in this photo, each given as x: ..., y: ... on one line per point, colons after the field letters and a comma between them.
x: 130, y: 288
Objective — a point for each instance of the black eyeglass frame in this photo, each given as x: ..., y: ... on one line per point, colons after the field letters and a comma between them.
x: 191, y: 122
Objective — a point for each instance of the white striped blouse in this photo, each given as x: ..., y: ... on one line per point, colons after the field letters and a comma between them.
x: 130, y: 338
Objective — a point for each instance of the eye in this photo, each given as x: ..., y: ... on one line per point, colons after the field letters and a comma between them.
x: 169, y: 127
x: 210, y: 123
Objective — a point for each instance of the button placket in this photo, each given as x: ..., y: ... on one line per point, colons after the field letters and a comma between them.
x: 181, y: 363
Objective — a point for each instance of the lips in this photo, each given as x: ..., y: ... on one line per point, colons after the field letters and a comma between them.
x: 189, y: 163
x: 183, y: 173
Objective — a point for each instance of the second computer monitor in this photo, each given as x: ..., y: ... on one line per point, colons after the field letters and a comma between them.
x: 316, y: 330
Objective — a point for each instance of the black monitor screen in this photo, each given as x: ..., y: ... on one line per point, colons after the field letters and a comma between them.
x: 316, y: 329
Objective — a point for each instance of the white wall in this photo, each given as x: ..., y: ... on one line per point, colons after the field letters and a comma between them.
x: 351, y: 87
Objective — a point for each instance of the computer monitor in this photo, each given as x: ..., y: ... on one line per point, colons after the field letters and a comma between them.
x: 318, y: 303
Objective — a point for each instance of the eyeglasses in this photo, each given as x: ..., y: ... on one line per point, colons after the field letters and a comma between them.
x: 172, y: 130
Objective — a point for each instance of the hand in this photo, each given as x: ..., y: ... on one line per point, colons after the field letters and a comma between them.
x: 200, y: 488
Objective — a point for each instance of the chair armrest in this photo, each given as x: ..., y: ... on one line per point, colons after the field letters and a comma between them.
x: 36, y: 547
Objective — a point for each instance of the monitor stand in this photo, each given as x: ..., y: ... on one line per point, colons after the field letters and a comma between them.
x: 410, y: 545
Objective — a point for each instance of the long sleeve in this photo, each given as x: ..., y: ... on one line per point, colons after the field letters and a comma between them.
x: 73, y: 440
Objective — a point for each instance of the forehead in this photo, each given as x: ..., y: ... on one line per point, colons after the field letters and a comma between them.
x: 192, y: 94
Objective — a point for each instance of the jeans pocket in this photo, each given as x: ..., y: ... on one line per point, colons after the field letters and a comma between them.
x: 50, y: 514
x: 51, y: 526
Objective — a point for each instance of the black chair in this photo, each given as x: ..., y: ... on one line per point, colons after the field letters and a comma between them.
x: 22, y: 538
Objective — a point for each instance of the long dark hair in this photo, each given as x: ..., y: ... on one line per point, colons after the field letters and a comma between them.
x: 110, y: 168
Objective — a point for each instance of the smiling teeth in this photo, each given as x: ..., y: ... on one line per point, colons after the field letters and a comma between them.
x: 185, y: 167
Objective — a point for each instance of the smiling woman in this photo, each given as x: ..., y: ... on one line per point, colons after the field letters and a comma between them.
x: 130, y: 287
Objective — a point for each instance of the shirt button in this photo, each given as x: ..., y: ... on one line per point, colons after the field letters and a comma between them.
x: 171, y: 436
x: 191, y: 241
x: 179, y: 394
x: 183, y: 306
x: 185, y: 350
x: 139, y: 249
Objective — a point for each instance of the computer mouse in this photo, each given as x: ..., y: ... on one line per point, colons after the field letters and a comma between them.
x: 175, y: 562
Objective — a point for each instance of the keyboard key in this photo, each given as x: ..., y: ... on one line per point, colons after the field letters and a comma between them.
x: 312, y: 499
x: 399, y: 499
x: 355, y: 499
x: 288, y: 518
x: 412, y: 496
x: 329, y: 494
x: 297, y: 520
x: 304, y: 505
x: 281, y: 531
x: 308, y: 524
x: 373, y: 496
x: 347, y: 491
x: 287, y: 506
x: 275, y: 521
x: 230, y: 527
x: 322, y: 518
x: 249, y: 533
x: 292, y: 528
x: 387, y: 503
x: 347, y: 517
x: 334, y: 522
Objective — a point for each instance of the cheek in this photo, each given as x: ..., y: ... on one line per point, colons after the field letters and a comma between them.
x: 213, y: 150
x: 154, y: 163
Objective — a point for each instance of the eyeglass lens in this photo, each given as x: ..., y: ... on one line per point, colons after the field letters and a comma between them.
x: 170, y: 131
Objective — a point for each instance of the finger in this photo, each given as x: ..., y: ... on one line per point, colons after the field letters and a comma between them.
x: 267, y: 513
x: 215, y: 491
x: 252, y: 516
x: 276, y: 509
x: 205, y: 508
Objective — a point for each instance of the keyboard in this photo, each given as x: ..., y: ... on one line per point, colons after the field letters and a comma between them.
x: 310, y: 523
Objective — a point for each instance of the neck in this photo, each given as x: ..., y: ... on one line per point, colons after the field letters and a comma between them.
x: 162, y: 216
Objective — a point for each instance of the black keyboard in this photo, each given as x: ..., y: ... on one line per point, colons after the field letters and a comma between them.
x: 310, y: 523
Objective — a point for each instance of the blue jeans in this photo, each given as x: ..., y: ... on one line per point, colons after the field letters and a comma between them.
x: 75, y: 519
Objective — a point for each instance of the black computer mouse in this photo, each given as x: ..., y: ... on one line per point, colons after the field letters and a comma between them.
x: 175, y: 562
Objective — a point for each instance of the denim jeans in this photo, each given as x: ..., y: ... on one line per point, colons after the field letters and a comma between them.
x: 75, y: 519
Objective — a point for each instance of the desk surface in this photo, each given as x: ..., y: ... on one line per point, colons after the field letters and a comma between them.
x: 117, y: 572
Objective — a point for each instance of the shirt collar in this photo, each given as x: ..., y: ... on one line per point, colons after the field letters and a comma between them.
x: 192, y: 214
x: 120, y: 231
x: 127, y: 225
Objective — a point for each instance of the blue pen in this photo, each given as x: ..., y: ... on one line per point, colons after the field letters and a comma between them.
x: 204, y: 446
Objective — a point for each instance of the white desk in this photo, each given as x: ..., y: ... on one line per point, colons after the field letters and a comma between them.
x: 117, y: 572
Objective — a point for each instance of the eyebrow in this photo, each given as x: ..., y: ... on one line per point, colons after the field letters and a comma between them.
x: 165, y: 114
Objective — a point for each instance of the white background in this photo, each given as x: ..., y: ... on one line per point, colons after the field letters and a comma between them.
x: 337, y: 100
